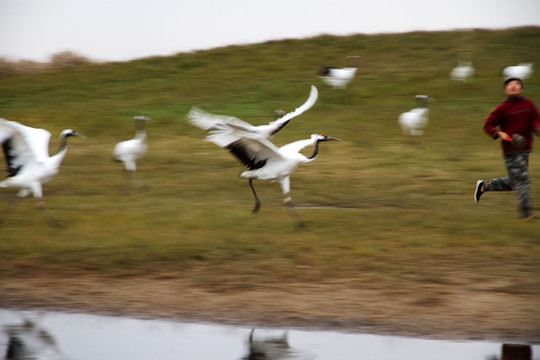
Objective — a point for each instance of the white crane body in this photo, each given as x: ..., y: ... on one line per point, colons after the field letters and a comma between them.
x: 29, y: 165
x: 27, y: 154
x: 129, y: 151
x: 522, y: 71
x: 264, y: 160
x: 338, y: 78
x: 462, y: 72
x: 414, y: 121
x: 277, y: 163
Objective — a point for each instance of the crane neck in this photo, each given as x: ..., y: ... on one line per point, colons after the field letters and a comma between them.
x: 315, y: 150
x: 139, y: 125
x: 62, y: 150
x: 140, y: 129
x: 63, y: 144
x: 140, y: 134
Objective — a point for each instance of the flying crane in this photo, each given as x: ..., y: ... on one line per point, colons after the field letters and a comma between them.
x: 29, y: 165
x: 264, y: 160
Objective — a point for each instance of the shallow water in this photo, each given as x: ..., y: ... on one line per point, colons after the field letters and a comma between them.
x: 62, y: 336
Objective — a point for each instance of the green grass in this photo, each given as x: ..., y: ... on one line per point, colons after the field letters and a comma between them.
x: 407, y: 207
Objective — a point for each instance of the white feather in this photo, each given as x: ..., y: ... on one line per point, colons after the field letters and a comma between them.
x: 462, y: 72
x: 339, y: 78
x: 522, y: 71
x: 414, y: 122
x: 130, y: 151
x: 27, y: 150
x: 207, y: 121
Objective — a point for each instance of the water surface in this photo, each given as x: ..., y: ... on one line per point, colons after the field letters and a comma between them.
x: 63, y: 336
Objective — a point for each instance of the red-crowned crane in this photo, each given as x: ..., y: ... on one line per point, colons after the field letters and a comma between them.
x: 29, y: 165
x: 207, y: 121
x: 30, y: 340
x: 462, y: 72
x: 339, y: 78
x: 522, y: 71
x: 264, y: 160
x: 413, y: 122
x: 130, y: 151
x: 268, y: 347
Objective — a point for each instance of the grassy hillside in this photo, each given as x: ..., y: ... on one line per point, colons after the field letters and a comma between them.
x: 404, y: 207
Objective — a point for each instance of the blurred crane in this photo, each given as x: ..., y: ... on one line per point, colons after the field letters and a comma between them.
x: 269, y: 347
x: 29, y: 166
x: 339, y: 78
x: 207, y: 121
x: 462, y: 72
x: 413, y: 122
x: 129, y: 151
x: 521, y: 71
x: 31, y: 341
x: 264, y: 160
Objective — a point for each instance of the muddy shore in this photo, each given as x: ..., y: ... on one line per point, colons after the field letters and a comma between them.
x: 459, y: 310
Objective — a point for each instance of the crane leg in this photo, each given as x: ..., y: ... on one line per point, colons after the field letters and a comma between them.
x: 257, y: 201
x: 139, y: 184
x: 133, y: 179
x: 292, y: 212
x: 50, y: 218
x: 10, y: 206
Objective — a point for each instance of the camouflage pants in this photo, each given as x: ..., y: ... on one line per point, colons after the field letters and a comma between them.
x: 517, y: 165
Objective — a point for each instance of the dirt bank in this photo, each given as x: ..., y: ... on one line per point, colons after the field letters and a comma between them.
x: 463, y: 309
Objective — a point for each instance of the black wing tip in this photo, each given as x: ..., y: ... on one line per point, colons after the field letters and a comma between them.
x: 241, y: 154
x: 12, y: 170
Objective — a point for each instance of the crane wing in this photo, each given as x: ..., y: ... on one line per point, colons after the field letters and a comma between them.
x: 22, y: 144
x: 251, y: 149
x: 206, y: 121
x: 295, y: 147
x: 278, y: 124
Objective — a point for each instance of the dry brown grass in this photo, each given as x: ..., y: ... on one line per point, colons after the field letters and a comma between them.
x: 62, y: 60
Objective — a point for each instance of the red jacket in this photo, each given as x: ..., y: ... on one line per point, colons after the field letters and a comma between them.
x: 516, y: 115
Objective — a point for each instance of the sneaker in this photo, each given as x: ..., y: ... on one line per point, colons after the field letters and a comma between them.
x: 478, y: 191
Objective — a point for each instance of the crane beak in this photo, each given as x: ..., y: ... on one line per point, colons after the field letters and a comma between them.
x: 79, y: 135
x: 328, y: 138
